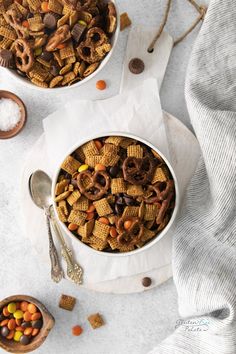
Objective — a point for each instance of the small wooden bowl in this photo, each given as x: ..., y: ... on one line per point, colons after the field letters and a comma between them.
x: 13, y: 132
x: 48, y: 322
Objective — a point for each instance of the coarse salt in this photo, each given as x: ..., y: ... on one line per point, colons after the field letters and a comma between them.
x: 10, y: 114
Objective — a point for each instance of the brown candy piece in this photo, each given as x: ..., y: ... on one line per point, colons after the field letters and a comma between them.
x: 138, y: 171
x: 50, y: 20
x: 136, y: 66
x: 23, y: 55
x: 146, y: 281
x: 77, y: 32
x: 6, y: 57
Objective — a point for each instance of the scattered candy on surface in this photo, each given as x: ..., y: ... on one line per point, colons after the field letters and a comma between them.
x: 101, y: 85
x: 77, y: 330
x: 20, y: 321
x: 146, y: 282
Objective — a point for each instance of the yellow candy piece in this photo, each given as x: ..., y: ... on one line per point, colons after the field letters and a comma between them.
x: 83, y: 168
x: 18, y: 314
x: 17, y: 336
x: 11, y: 307
x: 38, y: 51
x: 81, y: 22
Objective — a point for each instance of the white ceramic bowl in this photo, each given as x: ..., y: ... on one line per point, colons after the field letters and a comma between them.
x: 154, y: 240
x: 26, y: 82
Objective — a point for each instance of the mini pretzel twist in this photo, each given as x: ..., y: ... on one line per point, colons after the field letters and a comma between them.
x: 98, y: 185
x: 61, y: 35
x: 138, y: 170
x: 131, y: 236
x: 23, y: 55
x: 163, y: 209
x: 161, y: 190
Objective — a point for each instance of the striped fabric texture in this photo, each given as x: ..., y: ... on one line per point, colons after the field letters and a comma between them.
x: 204, y: 249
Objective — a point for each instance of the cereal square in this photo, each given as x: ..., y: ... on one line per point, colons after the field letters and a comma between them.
x: 86, y: 230
x: 147, y: 235
x: 97, y: 243
x: 101, y: 230
x: 90, y: 149
x: 135, y: 151
x: 115, y: 140
x: 75, y: 195
x: 62, y: 196
x: 67, y: 302
x: 77, y: 217
x: 118, y: 185
x: 82, y: 204
x: 60, y: 186
x: 130, y: 211
x: 150, y: 212
x: 102, y: 207
x: 159, y: 175
x: 70, y: 165
x: 134, y: 190
x: 96, y: 320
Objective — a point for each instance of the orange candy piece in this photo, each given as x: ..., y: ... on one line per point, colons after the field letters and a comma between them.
x: 11, y: 334
x: 11, y: 324
x: 101, y: 85
x: 77, y: 330
x: 28, y: 331
x: 32, y: 308
x: 98, y: 144
x: 99, y: 167
x: 44, y: 6
x: 127, y: 224
x: 61, y: 46
x: 113, y: 231
x: 36, y: 316
x: 90, y: 216
x: 35, y: 332
x: 104, y: 220
x: 25, y: 24
x: 90, y: 209
x: 24, y: 306
x: 5, y: 311
x: 4, y: 322
x: 27, y: 316
x: 72, y: 227
x: 19, y: 328
x: 18, y: 321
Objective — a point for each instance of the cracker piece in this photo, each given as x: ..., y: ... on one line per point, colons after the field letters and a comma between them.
x: 115, y: 140
x: 67, y: 9
x: 72, y: 199
x: 71, y: 188
x: 38, y: 73
x: 101, y: 230
x: 65, y: 69
x: 112, y: 219
x: 134, y: 190
x: 113, y: 243
x: 6, y: 43
x: 34, y: 4
x: 118, y: 185
x: 147, y: 235
x: 60, y: 186
x: 130, y: 211
x: 82, y: 204
x: 90, y: 149
x: 62, y: 196
x: 45, y: 63
x: 63, y: 20
x: 74, y: 16
x: 55, y: 6
x: 126, y: 248
x: 103, y: 49
x: 149, y: 224
x: 97, y: 243
x: 67, y: 302
x: 70, y: 165
x: 62, y: 204
x: 90, y: 69
x: 35, y: 24
x: 141, y: 211
x: 55, y: 81
x: 67, y: 78
x: 76, y: 68
x: 61, y: 214
x: 86, y: 230
x: 77, y: 217
x: 135, y: 151
x: 124, y: 21
x: 57, y: 57
x: 96, y: 320
x: 109, y: 149
x: 67, y: 52
x: 159, y: 175
x: 71, y: 60
x: 102, y: 207
x: 8, y: 33
x: 150, y: 212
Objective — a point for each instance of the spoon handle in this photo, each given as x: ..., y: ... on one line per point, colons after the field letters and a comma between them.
x: 56, y: 270
x: 74, y: 270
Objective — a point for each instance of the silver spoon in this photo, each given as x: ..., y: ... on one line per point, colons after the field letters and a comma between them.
x: 40, y: 186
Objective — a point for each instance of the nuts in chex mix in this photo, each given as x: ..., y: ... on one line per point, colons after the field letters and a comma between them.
x: 114, y: 193
x: 67, y: 302
x: 103, y: 207
x: 53, y: 34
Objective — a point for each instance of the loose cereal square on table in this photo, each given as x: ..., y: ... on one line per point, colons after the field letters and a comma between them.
x: 96, y: 320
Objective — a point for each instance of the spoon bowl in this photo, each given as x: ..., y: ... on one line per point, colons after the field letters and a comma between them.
x: 40, y: 185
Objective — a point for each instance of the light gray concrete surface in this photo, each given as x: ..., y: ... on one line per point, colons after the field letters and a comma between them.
x: 134, y: 323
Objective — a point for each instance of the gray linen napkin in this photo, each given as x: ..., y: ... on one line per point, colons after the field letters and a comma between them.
x: 204, y: 250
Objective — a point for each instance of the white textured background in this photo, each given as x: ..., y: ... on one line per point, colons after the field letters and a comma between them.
x: 135, y: 323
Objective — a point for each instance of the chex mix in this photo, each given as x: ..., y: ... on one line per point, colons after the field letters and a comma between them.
x: 56, y: 42
x: 115, y: 194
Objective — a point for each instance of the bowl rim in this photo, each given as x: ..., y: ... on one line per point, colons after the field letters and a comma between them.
x: 48, y: 323
x: 104, y: 62
x: 160, y: 235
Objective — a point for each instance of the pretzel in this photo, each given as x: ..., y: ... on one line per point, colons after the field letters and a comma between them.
x: 138, y: 171
x: 131, y: 236
x: 23, y: 55
x: 12, y: 17
x: 98, y: 184
x: 61, y: 35
x: 163, y: 209
x: 111, y: 18
x: 87, y: 52
x: 96, y: 36
x: 160, y: 191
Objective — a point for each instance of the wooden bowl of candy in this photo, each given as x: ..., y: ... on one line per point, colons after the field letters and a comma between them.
x: 116, y: 194
x: 24, y: 324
